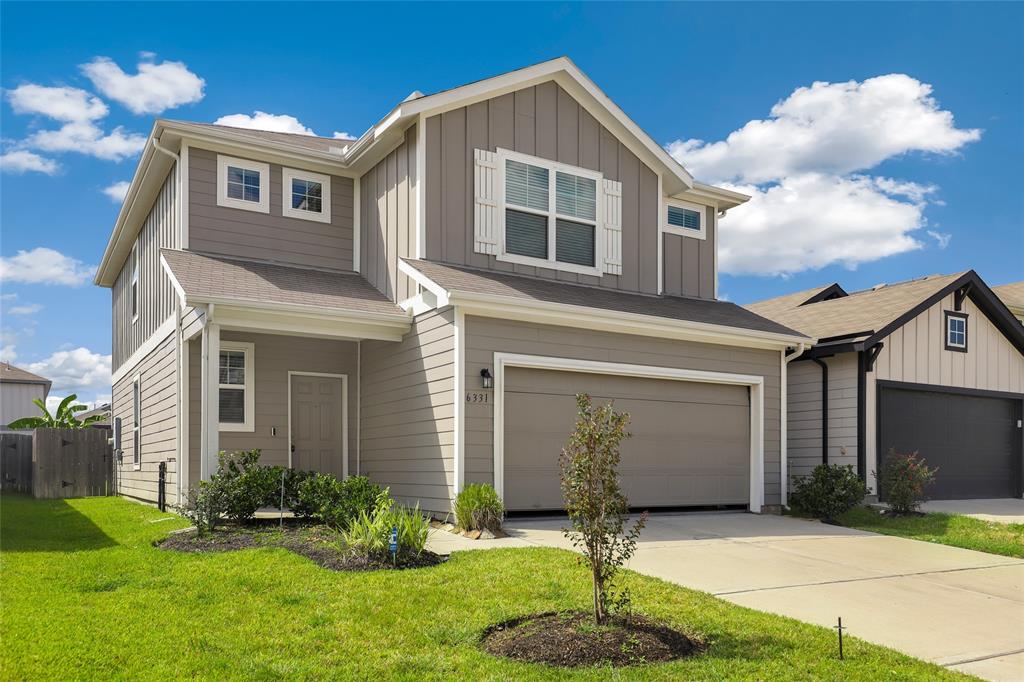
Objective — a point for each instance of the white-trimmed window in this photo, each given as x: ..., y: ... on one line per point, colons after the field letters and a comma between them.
x: 236, y: 402
x: 956, y: 331
x: 135, y: 283
x: 137, y: 422
x: 305, y: 195
x: 684, y: 218
x: 244, y: 184
x: 550, y: 214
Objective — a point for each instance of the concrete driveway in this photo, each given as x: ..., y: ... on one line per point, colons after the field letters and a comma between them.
x: 956, y: 607
x: 1004, y: 510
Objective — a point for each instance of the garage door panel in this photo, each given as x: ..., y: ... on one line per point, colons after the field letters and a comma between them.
x: 973, y: 440
x: 690, y: 442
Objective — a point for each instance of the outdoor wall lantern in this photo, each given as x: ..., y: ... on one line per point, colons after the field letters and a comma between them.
x: 485, y: 376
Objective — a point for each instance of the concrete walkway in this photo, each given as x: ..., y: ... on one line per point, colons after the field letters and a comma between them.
x: 955, y: 607
x: 1005, y: 510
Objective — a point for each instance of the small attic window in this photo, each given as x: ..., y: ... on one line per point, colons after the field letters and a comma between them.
x: 244, y: 184
x: 685, y: 219
x: 956, y: 331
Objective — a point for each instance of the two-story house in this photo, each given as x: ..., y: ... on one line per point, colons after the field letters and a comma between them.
x: 422, y: 304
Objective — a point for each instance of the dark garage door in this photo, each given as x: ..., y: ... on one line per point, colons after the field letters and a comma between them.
x: 972, y: 439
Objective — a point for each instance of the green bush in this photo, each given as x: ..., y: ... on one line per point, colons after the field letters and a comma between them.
x: 478, y: 507
x: 369, y: 533
x: 330, y: 500
x: 829, y: 491
x: 204, y: 506
x: 904, y: 481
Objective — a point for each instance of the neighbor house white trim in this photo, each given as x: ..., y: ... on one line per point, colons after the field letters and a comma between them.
x: 755, y: 383
x: 165, y: 329
x: 344, y: 415
x: 249, y: 350
x: 261, y: 206
x: 699, y: 209
x: 290, y: 174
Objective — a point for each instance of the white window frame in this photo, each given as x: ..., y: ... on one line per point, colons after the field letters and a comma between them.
x: 249, y: 350
x: 261, y: 206
x: 289, y: 174
x: 702, y: 233
x: 137, y: 422
x: 950, y: 316
x: 133, y: 286
x: 553, y: 167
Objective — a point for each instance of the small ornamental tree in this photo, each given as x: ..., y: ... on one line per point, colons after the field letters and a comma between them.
x: 905, y: 480
x: 596, y: 506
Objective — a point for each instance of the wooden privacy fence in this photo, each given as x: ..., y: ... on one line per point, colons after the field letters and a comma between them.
x: 53, y: 463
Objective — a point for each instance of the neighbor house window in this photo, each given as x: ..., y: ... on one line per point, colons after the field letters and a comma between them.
x: 550, y: 214
x: 235, y: 395
x: 956, y: 331
x: 243, y: 184
x: 684, y: 218
x: 135, y: 283
x: 306, y: 195
x: 137, y: 422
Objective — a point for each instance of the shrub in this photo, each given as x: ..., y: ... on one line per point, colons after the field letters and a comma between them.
x: 478, y: 507
x: 332, y: 501
x: 247, y: 486
x: 204, y: 506
x: 904, y: 481
x: 829, y: 491
x: 596, y: 506
x: 369, y: 533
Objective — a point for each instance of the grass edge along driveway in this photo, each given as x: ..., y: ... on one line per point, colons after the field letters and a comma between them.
x: 87, y: 595
x: 1006, y: 539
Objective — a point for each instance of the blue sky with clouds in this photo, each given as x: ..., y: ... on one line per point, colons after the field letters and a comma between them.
x: 880, y: 141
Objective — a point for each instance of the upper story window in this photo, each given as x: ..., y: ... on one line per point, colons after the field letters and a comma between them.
x: 306, y: 195
x: 956, y: 331
x: 243, y: 184
x: 236, y: 401
x: 550, y: 214
x: 135, y: 282
x: 684, y: 218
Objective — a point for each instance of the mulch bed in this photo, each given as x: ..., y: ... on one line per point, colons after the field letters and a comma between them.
x: 570, y: 639
x: 318, y: 543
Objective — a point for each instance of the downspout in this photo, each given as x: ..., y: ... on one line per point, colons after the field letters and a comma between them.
x: 824, y: 408
x: 783, y: 411
x: 165, y: 150
x: 862, y: 381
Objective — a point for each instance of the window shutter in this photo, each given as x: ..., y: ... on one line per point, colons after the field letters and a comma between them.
x: 485, y: 204
x: 612, y: 192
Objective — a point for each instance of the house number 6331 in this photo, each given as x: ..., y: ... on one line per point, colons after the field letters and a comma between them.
x: 478, y: 397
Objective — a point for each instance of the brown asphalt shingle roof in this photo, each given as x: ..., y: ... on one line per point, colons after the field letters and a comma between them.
x: 861, y: 311
x: 469, y: 280
x: 204, y: 277
x: 1011, y: 294
x: 16, y: 375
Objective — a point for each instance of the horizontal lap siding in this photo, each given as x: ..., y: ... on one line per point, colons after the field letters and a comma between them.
x: 159, y: 423
x: 804, y: 413
x: 387, y: 219
x: 408, y: 413
x: 16, y: 401
x: 156, y: 293
x: 916, y: 353
x: 267, y: 236
x: 486, y: 336
x: 273, y: 356
x: 545, y: 121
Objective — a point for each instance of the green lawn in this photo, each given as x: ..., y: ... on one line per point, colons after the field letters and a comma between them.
x: 86, y: 595
x: 947, y: 529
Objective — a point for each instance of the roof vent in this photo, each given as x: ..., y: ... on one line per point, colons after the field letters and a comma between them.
x: 878, y: 286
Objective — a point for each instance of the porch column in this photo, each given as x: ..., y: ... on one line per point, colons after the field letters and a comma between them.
x: 209, y: 402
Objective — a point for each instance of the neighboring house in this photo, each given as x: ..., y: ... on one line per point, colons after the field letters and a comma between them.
x: 420, y: 305
x: 1013, y: 296
x: 18, y: 388
x: 933, y: 365
x: 101, y: 410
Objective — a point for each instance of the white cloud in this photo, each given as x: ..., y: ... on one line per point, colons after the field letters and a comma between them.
x: 8, y: 353
x: 87, y: 138
x: 27, y: 309
x: 44, y: 266
x: 261, y: 120
x: 941, y: 238
x: 117, y: 191
x: 813, y: 220
x: 59, y: 103
x: 20, y: 161
x: 340, y: 135
x: 74, y: 371
x: 53, y: 401
x: 8, y: 297
x: 155, y: 88
x: 830, y: 128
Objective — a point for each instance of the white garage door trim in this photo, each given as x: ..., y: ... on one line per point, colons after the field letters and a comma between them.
x: 755, y: 383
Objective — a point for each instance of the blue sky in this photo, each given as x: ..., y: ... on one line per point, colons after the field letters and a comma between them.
x: 917, y: 127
